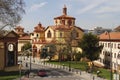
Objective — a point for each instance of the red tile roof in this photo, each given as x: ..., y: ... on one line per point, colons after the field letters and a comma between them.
x: 110, y: 36
x: 60, y: 27
x: 25, y: 38
x: 39, y: 28
x: 64, y: 17
x: 79, y: 28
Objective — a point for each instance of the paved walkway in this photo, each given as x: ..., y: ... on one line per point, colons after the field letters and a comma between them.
x: 83, y: 74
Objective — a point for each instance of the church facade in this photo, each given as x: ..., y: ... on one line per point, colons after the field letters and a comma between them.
x: 63, y: 31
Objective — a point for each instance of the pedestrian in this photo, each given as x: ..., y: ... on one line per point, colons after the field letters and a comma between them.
x: 98, y: 72
x: 27, y: 72
x: 26, y: 65
x: 93, y: 77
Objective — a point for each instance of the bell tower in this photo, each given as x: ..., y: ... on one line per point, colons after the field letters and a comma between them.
x: 64, y: 19
x: 64, y: 10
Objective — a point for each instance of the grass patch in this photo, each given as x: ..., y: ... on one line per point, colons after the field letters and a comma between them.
x: 9, y: 75
x: 104, y: 73
x: 77, y: 65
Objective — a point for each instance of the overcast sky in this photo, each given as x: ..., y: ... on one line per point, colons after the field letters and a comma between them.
x: 88, y: 13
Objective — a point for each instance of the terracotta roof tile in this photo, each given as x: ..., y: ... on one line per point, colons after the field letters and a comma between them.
x: 25, y: 38
x: 79, y: 28
x: 111, y: 35
x: 60, y: 27
x: 39, y: 28
x: 64, y: 17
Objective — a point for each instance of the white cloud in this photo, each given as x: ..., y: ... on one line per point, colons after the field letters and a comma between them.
x: 112, y: 6
x: 104, y: 16
x: 37, y: 6
x: 108, y: 9
x: 90, y: 6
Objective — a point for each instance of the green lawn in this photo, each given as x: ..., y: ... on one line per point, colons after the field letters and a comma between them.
x: 9, y: 75
x: 76, y: 65
x: 105, y: 73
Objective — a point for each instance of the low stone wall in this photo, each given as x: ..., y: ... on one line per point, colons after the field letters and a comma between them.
x: 13, y: 68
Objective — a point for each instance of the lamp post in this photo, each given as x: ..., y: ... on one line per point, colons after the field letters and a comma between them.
x: 20, y: 65
x: 111, y: 58
x: 111, y: 76
x: 70, y: 61
x: 60, y: 54
x: 30, y: 63
x: 44, y: 54
x: 60, y: 51
x: 30, y: 58
x: 72, y: 37
x: 117, y: 75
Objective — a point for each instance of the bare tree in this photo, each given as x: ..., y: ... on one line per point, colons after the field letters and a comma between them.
x: 10, y: 12
x: 70, y: 42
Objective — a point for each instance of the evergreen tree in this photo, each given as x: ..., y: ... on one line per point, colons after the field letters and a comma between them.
x: 90, y: 46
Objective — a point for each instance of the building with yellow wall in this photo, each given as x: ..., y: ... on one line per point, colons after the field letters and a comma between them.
x: 58, y: 34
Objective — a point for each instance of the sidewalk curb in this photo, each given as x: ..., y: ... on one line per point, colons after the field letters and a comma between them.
x: 77, y: 72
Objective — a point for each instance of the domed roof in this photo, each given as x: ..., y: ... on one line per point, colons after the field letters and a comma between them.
x: 39, y: 28
x: 64, y: 15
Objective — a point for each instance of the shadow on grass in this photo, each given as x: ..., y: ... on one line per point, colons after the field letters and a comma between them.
x: 9, y: 75
x: 4, y: 73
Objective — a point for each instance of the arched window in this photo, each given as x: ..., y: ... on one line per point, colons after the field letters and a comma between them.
x: 63, y: 22
x: 49, y: 34
x: 114, y: 55
x: 37, y: 35
x: 77, y: 34
x: 56, y: 21
x: 69, y: 22
x: 73, y: 34
x: 60, y: 34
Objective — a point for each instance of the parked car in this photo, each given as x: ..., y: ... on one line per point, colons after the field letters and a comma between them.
x: 42, y: 73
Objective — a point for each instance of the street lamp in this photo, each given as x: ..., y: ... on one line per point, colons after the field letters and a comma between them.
x: 70, y: 61
x: 30, y: 58
x: 30, y: 63
x: 60, y: 55
x: 60, y: 50
x: 44, y: 54
x: 117, y: 75
x: 111, y: 58
x: 111, y: 77
x: 72, y: 37
x: 20, y: 66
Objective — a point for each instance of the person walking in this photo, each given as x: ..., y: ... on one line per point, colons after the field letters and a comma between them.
x: 26, y: 64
